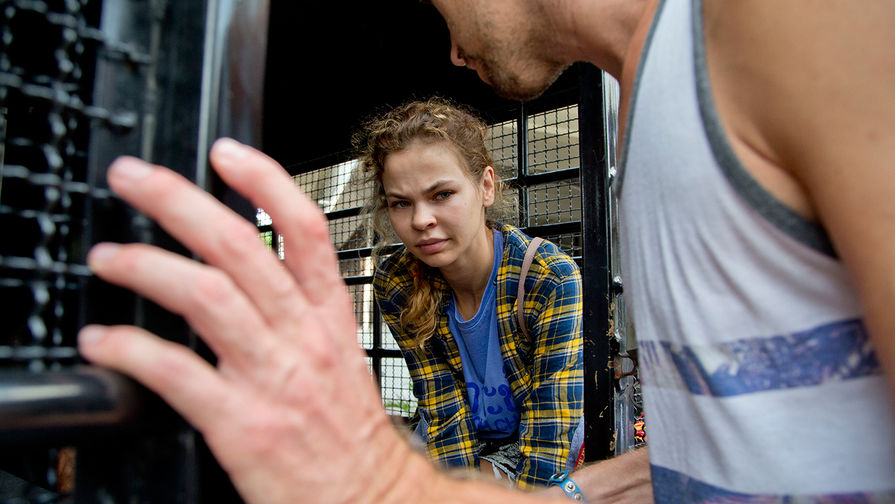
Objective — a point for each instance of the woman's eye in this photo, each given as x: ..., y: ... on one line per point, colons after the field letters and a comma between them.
x: 443, y: 195
x: 398, y: 204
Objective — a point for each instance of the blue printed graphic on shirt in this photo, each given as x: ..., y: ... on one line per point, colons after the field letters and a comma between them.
x: 494, y: 410
x: 836, y: 351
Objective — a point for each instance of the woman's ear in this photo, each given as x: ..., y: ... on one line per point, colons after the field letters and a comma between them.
x: 488, y: 186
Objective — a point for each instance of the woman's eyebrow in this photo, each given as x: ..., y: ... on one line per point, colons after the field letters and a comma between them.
x: 432, y: 187
x: 435, y: 185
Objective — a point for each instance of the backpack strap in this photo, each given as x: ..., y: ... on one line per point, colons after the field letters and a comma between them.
x: 523, y: 274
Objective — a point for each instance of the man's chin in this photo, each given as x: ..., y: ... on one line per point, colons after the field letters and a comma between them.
x: 513, y: 88
x: 519, y: 94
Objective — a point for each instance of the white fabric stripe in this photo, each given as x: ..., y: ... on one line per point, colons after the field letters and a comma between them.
x: 818, y: 440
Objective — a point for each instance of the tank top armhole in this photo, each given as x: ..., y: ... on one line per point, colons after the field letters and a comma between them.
x: 769, y: 207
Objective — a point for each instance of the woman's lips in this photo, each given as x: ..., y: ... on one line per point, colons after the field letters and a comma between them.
x: 431, y: 246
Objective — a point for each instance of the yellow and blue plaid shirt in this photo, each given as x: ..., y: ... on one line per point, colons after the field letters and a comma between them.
x: 545, y: 370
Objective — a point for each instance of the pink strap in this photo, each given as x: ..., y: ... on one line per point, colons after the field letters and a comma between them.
x: 523, y: 274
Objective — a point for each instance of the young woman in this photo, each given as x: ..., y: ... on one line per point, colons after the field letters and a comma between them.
x: 488, y: 395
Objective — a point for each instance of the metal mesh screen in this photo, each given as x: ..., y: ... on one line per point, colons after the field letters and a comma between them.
x: 396, y: 386
x: 363, y: 297
x: 81, y: 82
x: 552, y: 149
x: 504, y: 149
x: 46, y: 54
x: 47, y: 57
x: 554, y: 203
x: 548, y: 183
x: 553, y: 140
x: 334, y: 188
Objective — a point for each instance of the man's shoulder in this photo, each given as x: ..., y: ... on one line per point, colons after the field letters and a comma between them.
x: 791, y: 88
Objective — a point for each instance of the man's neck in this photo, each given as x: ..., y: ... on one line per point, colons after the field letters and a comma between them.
x: 598, y: 31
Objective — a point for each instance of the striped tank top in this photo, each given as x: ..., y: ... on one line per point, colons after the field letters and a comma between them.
x: 760, y: 382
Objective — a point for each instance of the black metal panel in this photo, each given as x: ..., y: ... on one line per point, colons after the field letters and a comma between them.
x: 82, y: 82
x: 595, y: 271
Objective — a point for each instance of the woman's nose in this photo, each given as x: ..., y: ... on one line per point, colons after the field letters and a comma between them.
x: 423, y: 217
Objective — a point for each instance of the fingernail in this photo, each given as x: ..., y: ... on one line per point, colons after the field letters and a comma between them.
x: 101, y: 253
x: 229, y: 149
x: 131, y: 168
x: 91, y: 334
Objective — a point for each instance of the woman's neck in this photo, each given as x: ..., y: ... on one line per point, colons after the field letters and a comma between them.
x: 469, y: 278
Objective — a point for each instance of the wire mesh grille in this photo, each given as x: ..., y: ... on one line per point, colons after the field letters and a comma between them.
x: 341, y: 192
x: 553, y: 147
x: 503, y: 146
x: 396, y: 387
x: 363, y: 298
x: 335, y: 188
x: 553, y: 140
x: 570, y: 243
x: 360, y: 267
x: 47, y: 54
x: 350, y: 233
x: 388, y: 341
x: 554, y: 203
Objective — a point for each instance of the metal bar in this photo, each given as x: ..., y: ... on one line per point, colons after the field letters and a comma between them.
x: 550, y: 176
x: 342, y: 214
x: 522, y: 163
x: 384, y: 352
x: 595, y: 271
x: 232, y: 92
x: 35, y: 404
x: 553, y: 229
x: 377, y: 352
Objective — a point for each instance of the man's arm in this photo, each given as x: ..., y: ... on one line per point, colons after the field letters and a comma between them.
x: 807, y: 92
x: 621, y: 480
x: 291, y: 411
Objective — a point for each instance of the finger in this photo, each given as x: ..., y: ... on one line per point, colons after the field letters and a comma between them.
x: 309, y: 251
x: 189, y: 384
x: 211, y: 230
x: 203, y: 295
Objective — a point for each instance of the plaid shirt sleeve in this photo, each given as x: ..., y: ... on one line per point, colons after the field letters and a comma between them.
x: 551, y: 365
x: 438, y: 383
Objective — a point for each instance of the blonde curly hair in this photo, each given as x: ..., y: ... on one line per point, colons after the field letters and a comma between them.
x: 433, y: 120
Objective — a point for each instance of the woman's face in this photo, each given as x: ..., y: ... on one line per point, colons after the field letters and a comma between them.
x: 433, y: 205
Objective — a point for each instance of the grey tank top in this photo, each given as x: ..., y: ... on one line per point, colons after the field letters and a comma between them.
x: 759, y: 379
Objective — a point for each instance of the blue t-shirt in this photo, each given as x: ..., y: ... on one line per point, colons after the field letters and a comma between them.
x: 494, y: 410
